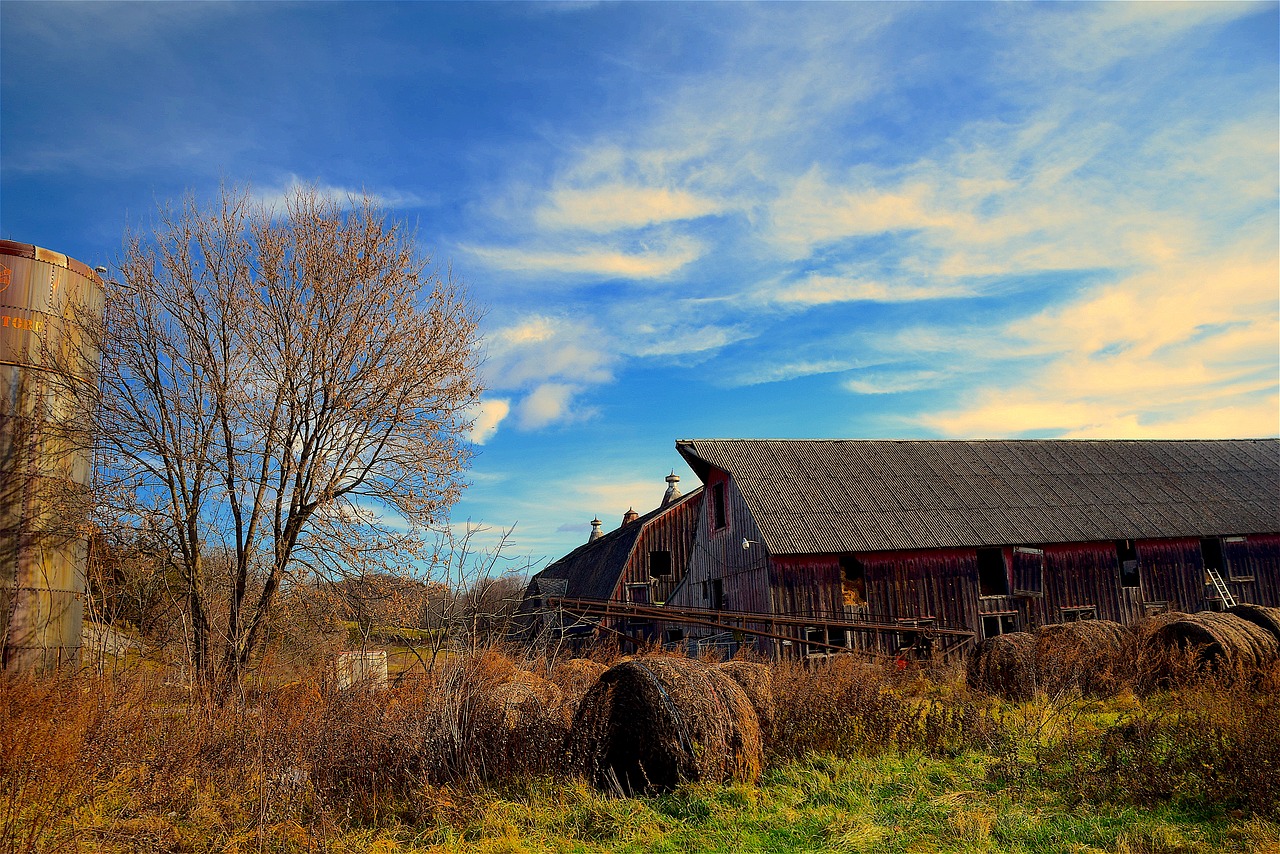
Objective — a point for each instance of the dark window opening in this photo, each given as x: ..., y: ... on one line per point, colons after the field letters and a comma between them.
x: 659, y: 564
x: 1075, y: 615
x: 1127, y: 555
x: 999, y: 624
x: 718, y: 519
x: 853, y: 581
x: 717, y: 594
x: 993, y: 574
x: 673, y: 635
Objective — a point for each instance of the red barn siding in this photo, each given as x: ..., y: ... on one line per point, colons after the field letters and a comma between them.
x: 673, y: 531
x: 1172, y: 571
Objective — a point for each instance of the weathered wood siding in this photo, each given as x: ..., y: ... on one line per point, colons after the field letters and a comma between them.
x: 1253, y: 569
x: 718, y: 555
x: 673, y: 532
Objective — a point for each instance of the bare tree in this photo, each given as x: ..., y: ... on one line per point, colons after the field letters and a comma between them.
x: 289, y: 389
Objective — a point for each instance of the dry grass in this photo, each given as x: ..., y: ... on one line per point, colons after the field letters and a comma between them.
x: 128, y: 763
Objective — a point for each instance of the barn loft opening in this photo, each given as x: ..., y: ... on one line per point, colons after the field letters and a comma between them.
x: 853, y: 581
x: 1211, y: 552
x: 993, y: 573
x: 1127, y: 555
x: 717, y: 594
x: 718, y: 515
x: 659, y: 564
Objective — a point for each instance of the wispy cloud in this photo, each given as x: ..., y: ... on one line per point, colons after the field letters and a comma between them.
x: 277, y: 195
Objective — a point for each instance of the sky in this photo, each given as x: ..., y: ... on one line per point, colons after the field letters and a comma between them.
x: 723, y: 220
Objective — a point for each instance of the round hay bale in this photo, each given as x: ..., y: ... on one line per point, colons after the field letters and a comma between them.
x: 1208, y: 641
x: 1261, y: 616
x: 652, y: 723
x: 518, y: 727
x: 1004, y: 665
x: 575, y: 677
x: 756, y: 681
x: 1092, y: 656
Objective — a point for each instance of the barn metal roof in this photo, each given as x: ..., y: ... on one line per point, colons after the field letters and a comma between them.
x: 812, y: 496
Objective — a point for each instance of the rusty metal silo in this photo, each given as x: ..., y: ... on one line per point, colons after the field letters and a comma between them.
x: 47, y: 364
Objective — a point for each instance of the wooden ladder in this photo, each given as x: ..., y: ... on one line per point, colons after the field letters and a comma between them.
x: 1219, y: 585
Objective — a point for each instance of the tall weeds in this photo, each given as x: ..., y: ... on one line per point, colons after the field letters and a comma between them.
x: 126, y: 762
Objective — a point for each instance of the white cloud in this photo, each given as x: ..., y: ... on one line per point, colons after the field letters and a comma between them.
x: 539, y: 347
x: 546, y: 404
x: 278, y: 195
x: 616, y: 206
x: 894, y: 382
x: 548, y: 360
x: 818, y: 289
x: 489, y: 413
x: 596, y: 260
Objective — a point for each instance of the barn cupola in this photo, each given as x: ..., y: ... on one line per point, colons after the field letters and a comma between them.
x: 596, y: 533
x: 672, y: 491
x: 630, y: 516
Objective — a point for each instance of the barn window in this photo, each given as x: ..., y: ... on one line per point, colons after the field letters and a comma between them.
x: 638, y: 594
x: 1075, y: 615
x: 1127, y: 555
x: 815, y: 635
x: 1235, y: 553
x: 659, y: 564
x: 993, y: 573
x: 853, y: 581
x: 718, y: 516
x: 1028, y: 572
x: 673, y: 635
x: 999, y: 624
x: 717, y: 594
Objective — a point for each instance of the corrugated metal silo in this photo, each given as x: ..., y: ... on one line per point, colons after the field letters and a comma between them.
x: 47, y: 361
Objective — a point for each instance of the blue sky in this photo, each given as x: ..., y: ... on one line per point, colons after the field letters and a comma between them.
x: 721, y: 220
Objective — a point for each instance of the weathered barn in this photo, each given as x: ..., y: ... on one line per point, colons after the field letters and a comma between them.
x: 986, y: 536
x: 641, y: 562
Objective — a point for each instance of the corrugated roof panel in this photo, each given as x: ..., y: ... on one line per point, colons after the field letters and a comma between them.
x: 1054, y: 490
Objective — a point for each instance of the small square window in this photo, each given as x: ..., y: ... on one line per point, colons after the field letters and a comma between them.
x: 999, y: 624
x: 659, y: 564
x: 1075, y: 615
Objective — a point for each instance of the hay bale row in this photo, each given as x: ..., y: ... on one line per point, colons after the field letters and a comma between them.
x: 1004, y: 665
x: 1208, y: 641
x: 1261, y: 616
x: 1092, y: 656
x: 756, y: 681
x: 652, y: 723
